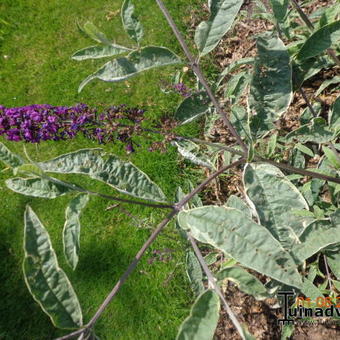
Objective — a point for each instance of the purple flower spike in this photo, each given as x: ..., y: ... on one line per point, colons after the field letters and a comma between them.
x: 36, y: 123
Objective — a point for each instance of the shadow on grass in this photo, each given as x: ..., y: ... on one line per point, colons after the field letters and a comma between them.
x: 17, y: 308
x: 103, y: 259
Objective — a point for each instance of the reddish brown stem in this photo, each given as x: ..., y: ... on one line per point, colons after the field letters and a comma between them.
x: 197, y: 70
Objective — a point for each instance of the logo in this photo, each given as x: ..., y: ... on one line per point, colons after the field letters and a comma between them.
x: 305, y: 307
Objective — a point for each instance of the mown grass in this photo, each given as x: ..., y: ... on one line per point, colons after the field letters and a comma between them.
x: 35, y: 67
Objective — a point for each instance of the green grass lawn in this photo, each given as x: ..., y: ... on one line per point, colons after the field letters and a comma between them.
x: 35, y: 67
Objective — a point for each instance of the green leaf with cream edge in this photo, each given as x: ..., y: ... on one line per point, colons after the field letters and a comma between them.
x: 9, y: 158
x: 275, y: 198
x: 99, y: 51
x: 247, y: 282
x: 280, y: 8
x: 106, y: 49
x: 192, y: 107
x: 45, y: 280
x: 271, y: 86
x: 191, y: 151
x: 202, y: 321
x: 37, y: 187
x: 222, y: 15
x: 136, y: 62
x: 107, y: 168
x: 94, y: 33
x: 326, y: 37
x: 317, y: 236
x: 249, y: 243
x: 194, y: 272
x: 131, y: 24
x: 71, y: 232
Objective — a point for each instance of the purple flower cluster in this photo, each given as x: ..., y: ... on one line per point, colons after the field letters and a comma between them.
x: 182, y: 89
x: 37, y: 123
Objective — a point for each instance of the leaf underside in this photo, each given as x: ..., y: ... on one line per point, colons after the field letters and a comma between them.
x: 45, y: 280
x: 123, y: 176
x: 237, y: 235
x: 136, y: 62
x: 202, y: 322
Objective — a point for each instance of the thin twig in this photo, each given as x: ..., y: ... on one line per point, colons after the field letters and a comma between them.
x: 282, y: 166
x: 305, y: 98
x: 123, y: 200
x: 303, y: 172
x: 108, y: 197
x: 279, y: 165
x: 212, y: 281
x: 73, y: 334
x: 147, y: 244
x: 197, y: 70
x: 302, y: 14
x: 327, y: 271
x: 131, y: 267
x: 126, y: 212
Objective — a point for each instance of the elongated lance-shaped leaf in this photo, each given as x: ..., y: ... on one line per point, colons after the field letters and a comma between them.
x: 196, y: 201
x: 310, y: 290
x: 306, y: 69
x: 334, y: 115
x: 190, y: 151
x: 252, y: 245
x: 237, y: 203
x: 209, y: 125
x: 131, y: 24
x: 319, y: 41
x: 271, y: 85
x: 236, y: 86
x: 326, y: 83
x: 318, y: 235
x: 329, y: 15
x: 27, y: 169
x: 99, y: 51
x: 194, y: 272
x: 123, y: 176
x: 280, y: 8
x: 333, y: 261
x: 332, y: 157
x: 178, y: 197
x: 316, y: 131
x: 37, y: 187
x: 203, y: 318
x: 240, y: 121
x: 209, y: 33
x: 247, y: 282
x: 71, y: 232
x: 275, y: 198
x: 9, y: 158
x: 94, y: 33
x: 287, y: 331
x: 233, y: 67
x: 136, y: 62
x: 192, y: 107
x: 45, y: 280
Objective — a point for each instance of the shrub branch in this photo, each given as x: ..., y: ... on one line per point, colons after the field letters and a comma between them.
x: 212, y: 281
x: 197, y: 70
x: 177, y: 208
